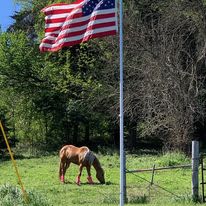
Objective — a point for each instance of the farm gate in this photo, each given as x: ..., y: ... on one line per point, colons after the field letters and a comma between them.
x: 203, y: 183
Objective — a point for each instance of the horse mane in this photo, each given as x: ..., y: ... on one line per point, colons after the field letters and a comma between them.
x: 89, y: 156
x: 96, y: 163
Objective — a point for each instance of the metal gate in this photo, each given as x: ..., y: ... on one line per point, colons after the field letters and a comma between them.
x: 203, y: 183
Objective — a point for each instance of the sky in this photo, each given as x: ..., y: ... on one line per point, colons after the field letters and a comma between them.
x: 7, y: 9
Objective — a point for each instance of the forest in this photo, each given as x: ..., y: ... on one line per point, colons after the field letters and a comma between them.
x: 72, y: 96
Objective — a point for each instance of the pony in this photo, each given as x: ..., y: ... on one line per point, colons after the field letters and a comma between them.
x: 83, y: 157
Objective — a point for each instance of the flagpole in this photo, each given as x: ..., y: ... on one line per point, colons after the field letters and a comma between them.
x: 122, y: 160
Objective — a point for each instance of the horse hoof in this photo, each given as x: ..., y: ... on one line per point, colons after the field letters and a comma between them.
x: 62, y: 179
x: 90, y: 181
x: 78, y: 183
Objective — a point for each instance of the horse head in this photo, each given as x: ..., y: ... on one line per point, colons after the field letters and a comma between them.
x: 100, y: 175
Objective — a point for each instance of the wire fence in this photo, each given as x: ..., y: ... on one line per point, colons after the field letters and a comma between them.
x: 172, y: 182
x: 155, y: 185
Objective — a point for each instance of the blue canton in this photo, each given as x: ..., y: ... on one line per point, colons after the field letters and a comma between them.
x: 93, y: 5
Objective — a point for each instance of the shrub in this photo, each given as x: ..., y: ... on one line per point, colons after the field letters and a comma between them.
x: 139, y: 199
x: 12, y: 196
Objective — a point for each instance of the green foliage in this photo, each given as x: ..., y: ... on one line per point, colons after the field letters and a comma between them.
x: 19, y: 61
x: 12, y: 196
x: 24, y: 3
x: 49, y: 93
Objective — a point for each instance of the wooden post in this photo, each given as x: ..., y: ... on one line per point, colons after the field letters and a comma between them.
x: 152, y: 180
x: 153, y: 171
x: 195, y: 166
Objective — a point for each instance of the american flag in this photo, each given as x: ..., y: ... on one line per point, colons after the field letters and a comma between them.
x: 70, y: 24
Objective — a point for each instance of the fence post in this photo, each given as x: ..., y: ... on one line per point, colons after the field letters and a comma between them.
x: 195, y: 166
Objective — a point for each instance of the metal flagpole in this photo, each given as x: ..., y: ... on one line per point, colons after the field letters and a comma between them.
x: 122, y: 162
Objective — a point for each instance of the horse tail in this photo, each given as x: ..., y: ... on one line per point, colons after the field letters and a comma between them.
x: 61, y: 164
x: 60, y: 170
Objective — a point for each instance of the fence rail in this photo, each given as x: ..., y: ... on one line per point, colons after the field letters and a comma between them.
x: 160, y: 168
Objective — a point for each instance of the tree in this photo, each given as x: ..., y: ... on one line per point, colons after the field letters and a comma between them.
x: 58, y: 86
x: 164, y: 81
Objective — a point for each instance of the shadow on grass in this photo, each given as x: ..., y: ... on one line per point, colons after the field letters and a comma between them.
x: 86, y: 183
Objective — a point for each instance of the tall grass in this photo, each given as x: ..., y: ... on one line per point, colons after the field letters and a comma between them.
x: 171, y: 159
x: 12, y: 196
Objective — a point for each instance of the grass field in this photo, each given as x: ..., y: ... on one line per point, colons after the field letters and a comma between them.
x: 171, y: 187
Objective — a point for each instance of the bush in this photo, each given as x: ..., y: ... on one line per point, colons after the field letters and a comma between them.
x: 139, y: 199
x: 12, y: 196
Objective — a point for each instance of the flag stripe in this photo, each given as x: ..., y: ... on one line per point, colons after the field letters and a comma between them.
x: 81, y: 36
x: 59, y: 11
x: 50, y: 21
x: 61, y: 6
x: 79, y: 29
x: 55, y: 16
x: 49, y: 47
x: 98, y: 20
x: 67, y: 25
x: 108, y: 12
x: 53, y: 40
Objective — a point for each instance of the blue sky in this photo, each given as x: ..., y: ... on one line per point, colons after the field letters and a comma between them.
x: 7, y: 9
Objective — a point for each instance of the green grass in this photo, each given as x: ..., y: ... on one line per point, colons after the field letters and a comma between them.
x: 171, y: 187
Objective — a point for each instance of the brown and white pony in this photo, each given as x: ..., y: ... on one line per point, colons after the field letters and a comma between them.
x: 83, y: 157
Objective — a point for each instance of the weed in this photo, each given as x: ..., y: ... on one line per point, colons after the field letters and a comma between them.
x: 110, y: 200
x: 139, y: 199
x: 12, y: 196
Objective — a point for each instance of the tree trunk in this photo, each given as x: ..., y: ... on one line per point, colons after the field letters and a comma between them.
x: 132, y: 135
x: 87, y: 133
x: 116, y: 136
x: 75, y: 133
